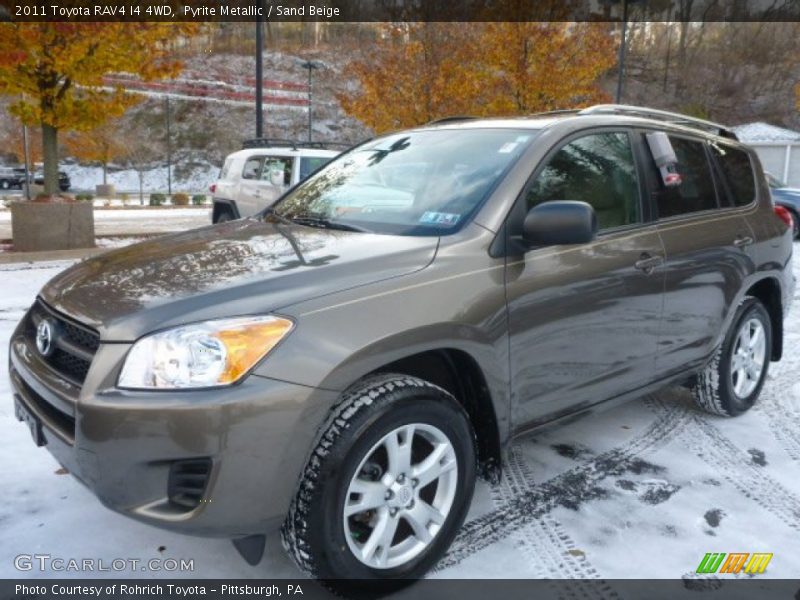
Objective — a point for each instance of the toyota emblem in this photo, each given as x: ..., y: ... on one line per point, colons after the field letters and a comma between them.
x: 44, y: 337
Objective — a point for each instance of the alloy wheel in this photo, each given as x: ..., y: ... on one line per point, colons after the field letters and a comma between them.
x: 400, y: 496
x: 748, y: 358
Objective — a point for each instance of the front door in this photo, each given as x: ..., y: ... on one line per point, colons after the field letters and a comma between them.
x: 584, y: 319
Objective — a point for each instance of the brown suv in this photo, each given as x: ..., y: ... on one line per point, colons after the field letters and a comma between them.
x: 345, y: 363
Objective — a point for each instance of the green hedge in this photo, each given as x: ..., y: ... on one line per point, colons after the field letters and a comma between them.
x: 157, y: 199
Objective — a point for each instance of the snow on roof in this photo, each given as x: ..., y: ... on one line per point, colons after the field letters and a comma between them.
x: 759, y: 131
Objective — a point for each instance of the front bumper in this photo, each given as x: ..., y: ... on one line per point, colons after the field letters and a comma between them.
x: 122, y: 444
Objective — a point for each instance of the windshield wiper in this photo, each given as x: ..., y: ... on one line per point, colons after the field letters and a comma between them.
x: 322, y: 222
x: 271, y: 212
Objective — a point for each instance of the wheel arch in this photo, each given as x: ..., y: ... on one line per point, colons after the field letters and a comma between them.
x: 460, y: 374
x: 768, y: 291
x: 220, y: 205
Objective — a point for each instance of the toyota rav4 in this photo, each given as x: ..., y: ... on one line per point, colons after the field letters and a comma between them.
x: 345, y: 364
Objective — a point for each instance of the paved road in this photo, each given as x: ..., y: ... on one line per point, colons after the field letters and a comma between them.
x: 109, y: 222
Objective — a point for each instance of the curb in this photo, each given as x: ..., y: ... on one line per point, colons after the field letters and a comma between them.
x: 7, y: 258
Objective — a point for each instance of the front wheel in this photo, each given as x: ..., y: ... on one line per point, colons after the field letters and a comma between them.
x: 387, y: 486
x: 732, y: 381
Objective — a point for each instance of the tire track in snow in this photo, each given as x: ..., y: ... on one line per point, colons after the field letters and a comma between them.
x: 568, y: 489
x: 733, y: 464
x: 545, y: 542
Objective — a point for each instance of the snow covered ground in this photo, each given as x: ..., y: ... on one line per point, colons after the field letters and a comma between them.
x: 195, y: 181
x: 643, y: 490
x: 127, y: 221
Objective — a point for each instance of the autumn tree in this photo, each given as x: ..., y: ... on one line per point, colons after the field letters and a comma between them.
x: 56, y: 69
x: 421, y: 71
x: 103, y: 144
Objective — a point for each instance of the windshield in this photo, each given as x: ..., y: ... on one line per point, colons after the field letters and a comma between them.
x: 412, y: 183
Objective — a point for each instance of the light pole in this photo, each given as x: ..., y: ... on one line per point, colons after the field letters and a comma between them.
x: 310, y: 65
x: 169, y: 152
x: 27, y: 162
x: 259, y: 74
x: 622, y: 44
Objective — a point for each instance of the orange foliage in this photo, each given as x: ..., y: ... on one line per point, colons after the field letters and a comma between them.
x: 422, y: 71
x: 56, y: 69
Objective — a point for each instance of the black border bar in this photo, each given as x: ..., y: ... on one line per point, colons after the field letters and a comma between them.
x: 398, y: 10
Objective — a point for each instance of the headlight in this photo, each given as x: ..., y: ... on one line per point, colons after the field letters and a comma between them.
x: 212, y: 353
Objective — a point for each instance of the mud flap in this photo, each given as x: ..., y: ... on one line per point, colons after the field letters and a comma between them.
x: 251, y: 548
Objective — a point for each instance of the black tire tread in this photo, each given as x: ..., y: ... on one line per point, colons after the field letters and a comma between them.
x: 294, y: 533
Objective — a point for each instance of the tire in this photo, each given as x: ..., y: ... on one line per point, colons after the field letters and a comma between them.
x: 5, y: 184
x: 795, y: 223
x: 224, y: 216
x: 721, y: 388
x: 352, y: 453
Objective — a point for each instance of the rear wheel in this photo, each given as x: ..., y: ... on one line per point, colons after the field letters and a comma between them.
x: 387, y: 486
x: 5, y: 184
x: 732, y: 381
x: 795, y: 223
x: 223, y: 215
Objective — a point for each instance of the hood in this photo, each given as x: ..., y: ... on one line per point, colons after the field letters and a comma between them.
x: 790, y: 195
x: 236, y: 268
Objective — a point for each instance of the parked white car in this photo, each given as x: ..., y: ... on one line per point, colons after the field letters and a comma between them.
x: 253, y: 178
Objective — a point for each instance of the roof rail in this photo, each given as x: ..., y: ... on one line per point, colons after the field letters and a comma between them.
x: 452, y: 119
x: 660, y: 115
x: 294, y: 145
x: 558, y: 111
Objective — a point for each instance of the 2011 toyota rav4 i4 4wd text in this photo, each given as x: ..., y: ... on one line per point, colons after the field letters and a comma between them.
x: 346, y: 363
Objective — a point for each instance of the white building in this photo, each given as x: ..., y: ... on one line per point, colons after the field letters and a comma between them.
x: 778, y: 148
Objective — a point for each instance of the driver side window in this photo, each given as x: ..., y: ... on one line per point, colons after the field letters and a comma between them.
x: 598, y: 169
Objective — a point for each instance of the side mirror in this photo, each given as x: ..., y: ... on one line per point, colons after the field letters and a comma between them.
x: 560, y: 222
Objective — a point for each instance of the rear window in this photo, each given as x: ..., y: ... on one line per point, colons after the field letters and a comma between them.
x: 225, y: 173
x: 696, y: 191
x: 737, y: 171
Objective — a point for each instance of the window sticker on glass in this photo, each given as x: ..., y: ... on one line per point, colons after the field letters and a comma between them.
x: 507, y: 148
x: 437, y: 218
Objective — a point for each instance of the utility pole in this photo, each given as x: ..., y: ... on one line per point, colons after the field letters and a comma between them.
x: 169, y: 151
x: 310, y: 65
x: 259, y: 73
x: 27, y: 162
x: 621, y: 58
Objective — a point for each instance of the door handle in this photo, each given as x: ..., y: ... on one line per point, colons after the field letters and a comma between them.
x: 648, y: 262
x: 743, y: 241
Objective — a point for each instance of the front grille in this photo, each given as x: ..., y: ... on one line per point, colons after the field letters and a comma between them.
x: 75, y: 344
x: 59, y: 421
x: 187, y: 482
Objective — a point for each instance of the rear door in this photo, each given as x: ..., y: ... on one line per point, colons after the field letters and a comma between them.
x: 707, y: 245
x: 248, y: 197
x: 584, y: 319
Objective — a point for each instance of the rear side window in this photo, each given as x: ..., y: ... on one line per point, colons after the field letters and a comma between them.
x: 696, y: 191
x: 252, y: 168
x: 598, y: 169
x: 737, y: 171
